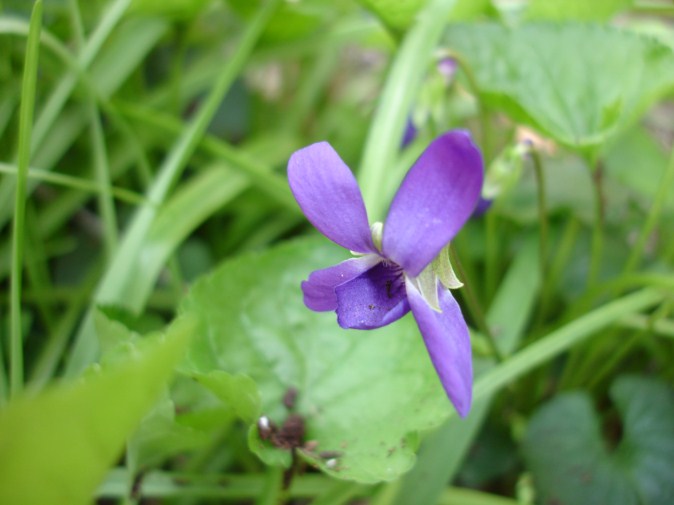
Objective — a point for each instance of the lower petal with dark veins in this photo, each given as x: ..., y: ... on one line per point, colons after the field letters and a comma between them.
x: 373, y: 299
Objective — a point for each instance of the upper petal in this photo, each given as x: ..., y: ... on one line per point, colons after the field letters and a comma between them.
x: 448, y: 342
x: 328, y: 194
x: 373, y: 299
x: 319, y: 288
x: 434, y: 201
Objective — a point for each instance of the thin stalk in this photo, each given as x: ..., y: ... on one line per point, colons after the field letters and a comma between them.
x: 18, y: 232
x: 400, y: 90
x: 598, y: 227
x: 74, y: 182
x: 542, y: 215
x: 106, y: 205
x: 653, y: 217
x: 491, y: 253
x: 475, y: 308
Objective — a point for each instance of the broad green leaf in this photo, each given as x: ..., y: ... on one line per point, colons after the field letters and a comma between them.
x: 361, y: 393
x: 57, y: 446
x: 239, y: 391
x: 577, y: 83
x: 572, y: 465
x: 575, y: 10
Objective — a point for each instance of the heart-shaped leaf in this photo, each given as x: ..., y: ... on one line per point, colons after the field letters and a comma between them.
x: 572, y: 464
x: 362, y: 394
x: 578, y: 83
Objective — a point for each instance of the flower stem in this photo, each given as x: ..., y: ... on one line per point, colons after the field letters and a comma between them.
x: 598, y: 228
x: 25, y: 132
x: 543, y: 226
x: 475, y: 308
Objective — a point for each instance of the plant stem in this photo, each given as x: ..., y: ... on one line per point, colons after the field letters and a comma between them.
x: 476, y: 309
x: 18, y: 232
x: 598, y: 228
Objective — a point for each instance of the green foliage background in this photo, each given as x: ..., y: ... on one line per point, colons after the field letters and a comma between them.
x: 151, y: 251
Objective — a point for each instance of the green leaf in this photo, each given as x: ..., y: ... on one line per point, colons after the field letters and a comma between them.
x: 578, y: 83
x: 68, y: 436
x: 572, y: 464
x: 579, y: 10
x: 363, y: 394
x: 239, y: 391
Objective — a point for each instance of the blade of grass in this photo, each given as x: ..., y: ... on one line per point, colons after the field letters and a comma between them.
x: 402, y: 84
x: 243, y: 486
x: 72, y: 182
x: 563, y: 339
x: 106, y: 206
x: 187, y: 209
x: 25, y: 134
x: 269, y: 182
x: 115, y: 287
x: 339, y: 493
x: 60, y: 128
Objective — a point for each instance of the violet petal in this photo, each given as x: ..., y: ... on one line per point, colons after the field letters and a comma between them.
x: 319, y: 288
x: 434, y: 201
x: 328, y: 194
x: 373, y: 299
x: 448, y: 342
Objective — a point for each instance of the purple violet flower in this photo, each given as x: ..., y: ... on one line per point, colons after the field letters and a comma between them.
x: 403, y: 264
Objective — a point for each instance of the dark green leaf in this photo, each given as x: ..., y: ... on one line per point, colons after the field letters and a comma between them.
x: 572, y: 463
x: 578, y: 83
x: 362, y: 394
